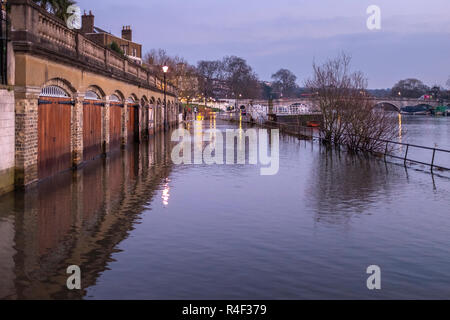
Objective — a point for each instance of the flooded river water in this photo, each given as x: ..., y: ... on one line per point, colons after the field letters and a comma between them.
x: 141, y: 227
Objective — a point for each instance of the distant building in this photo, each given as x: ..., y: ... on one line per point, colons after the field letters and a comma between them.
x: 186, y: 80
x: 131, y: 49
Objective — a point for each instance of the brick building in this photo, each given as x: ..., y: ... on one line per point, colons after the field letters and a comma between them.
x: 131, y: 49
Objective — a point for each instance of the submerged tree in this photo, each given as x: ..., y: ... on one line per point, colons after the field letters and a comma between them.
x: 349, y: 116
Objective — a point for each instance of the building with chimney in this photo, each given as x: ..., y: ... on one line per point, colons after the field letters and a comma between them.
x: 130, y: 49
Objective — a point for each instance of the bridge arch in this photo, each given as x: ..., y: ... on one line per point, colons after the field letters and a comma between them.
x: 387, y: 106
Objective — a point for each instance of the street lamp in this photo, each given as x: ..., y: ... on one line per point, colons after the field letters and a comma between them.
x: 165, y: 69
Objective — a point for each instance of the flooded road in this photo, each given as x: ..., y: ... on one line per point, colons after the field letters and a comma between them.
x: 141, y: 227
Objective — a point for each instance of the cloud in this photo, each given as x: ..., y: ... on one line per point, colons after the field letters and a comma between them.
x: 413, y: 40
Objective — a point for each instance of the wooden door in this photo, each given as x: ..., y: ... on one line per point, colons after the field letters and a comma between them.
x: 115, y: 116
x: 54, y: 115
x: 133, y: 124
x: 146, y: 121
x: 92, y: 129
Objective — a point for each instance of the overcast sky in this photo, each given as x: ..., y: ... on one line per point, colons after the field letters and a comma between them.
x: 414, y: 40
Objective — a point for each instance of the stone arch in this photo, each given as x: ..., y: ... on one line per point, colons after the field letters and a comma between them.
x: 158, y: 102
x: 387, y: 106
x: 152, y: 100
x: 144, y: 101
x: 132, y: 98
x: 97, y: 91
x: 63, y: 84
x: 119, y: 95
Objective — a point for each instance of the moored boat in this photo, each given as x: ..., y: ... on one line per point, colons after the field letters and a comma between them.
x: 416, y: 110
x: 313, y: 124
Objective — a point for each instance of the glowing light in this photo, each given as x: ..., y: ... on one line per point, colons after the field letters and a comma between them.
x: 166, y: 193
x: 165, y: 69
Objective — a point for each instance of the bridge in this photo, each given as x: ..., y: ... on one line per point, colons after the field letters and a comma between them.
x: 285, y: 106
x: 74, y: 99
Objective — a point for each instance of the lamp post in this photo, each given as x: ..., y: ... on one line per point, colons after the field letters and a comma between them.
x: 165, y: 69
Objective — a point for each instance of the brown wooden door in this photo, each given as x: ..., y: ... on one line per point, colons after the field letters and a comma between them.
x: 92, y: 129
x: 115, y: 116
x: 146, y: 120
x: 133, y: 124
x: 53, y: 136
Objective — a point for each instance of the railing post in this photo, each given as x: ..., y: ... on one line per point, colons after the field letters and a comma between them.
x: 432, y: 160
x: 406, y: 154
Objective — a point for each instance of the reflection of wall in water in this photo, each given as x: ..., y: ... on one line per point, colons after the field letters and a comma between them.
x: 7, y: 251
x: 79, y: 218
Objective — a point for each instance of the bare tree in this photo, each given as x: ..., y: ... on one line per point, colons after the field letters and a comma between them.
x: 187, y: 82
x: 285, y: 82
x: 332, y: 82
x: 409, y: 88
x: 349, y: 117
x: 155, y: 59
x: 240, y: 78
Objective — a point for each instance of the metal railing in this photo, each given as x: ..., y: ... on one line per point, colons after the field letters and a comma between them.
x: 311, y: 132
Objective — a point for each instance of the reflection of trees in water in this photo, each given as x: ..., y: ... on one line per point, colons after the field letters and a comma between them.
x: 343, y: 184
x: 79, y: 218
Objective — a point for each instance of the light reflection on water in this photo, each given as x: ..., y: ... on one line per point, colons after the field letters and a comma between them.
x: 140, y: 227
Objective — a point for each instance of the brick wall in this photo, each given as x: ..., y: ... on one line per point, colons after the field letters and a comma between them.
x: 7, y: 142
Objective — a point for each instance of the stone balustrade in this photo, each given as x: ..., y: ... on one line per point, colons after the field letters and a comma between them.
x: 34, y: 29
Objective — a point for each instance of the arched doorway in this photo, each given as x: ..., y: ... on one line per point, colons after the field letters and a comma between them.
x: 145, y: 116
x: 92, y: 125
x: 151, y: 115
x: 115, y: 116
x: 54, y: 132
x: 133, y: 119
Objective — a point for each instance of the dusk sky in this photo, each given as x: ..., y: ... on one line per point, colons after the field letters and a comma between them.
x: 414, y: 40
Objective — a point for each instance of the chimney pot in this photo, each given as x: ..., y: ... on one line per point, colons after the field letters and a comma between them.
x: 127, y: 33
x: 87, y: 23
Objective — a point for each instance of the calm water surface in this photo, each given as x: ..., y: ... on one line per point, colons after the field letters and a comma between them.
x: 141, y: 227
